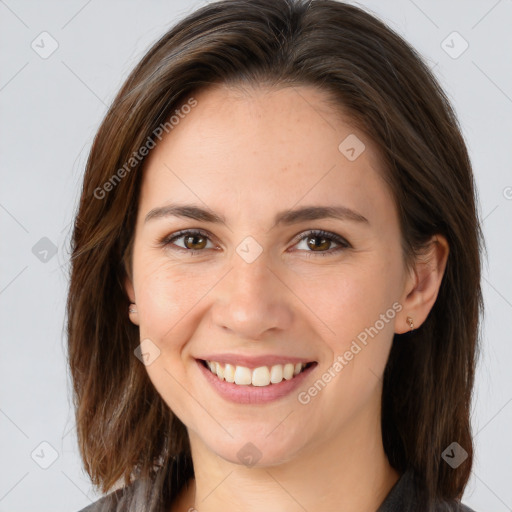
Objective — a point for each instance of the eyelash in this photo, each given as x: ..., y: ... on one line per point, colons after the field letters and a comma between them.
x: 317, y: 233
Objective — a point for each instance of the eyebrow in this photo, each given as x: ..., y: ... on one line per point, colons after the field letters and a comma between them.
x: 286, y: 217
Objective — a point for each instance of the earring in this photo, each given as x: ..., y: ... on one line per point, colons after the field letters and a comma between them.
x: 132, y: 308
x: 411, y: 323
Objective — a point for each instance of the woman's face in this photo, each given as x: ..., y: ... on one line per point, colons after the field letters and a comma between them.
x: 260, y: 289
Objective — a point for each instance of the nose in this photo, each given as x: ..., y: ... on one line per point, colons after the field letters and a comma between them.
x: 252, y: 300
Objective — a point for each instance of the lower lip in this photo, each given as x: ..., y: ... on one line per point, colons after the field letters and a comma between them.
x: 249, y: 394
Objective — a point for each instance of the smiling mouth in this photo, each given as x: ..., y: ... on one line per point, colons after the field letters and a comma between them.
x: 260, y: 377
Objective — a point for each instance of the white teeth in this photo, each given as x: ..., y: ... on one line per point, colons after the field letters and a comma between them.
x: 242, y: 375
x: 288, y: 371
x: 276, y: 374
x: 229, y: 373
x: 261, y: 376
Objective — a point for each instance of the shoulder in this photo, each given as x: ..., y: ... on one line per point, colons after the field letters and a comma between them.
x: 457, y: 507
x: 107, y: 503
x: 152, y: 493
x: 454, y: 506
x: 404, y: 497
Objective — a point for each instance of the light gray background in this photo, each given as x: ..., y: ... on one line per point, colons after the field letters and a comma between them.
x: 50, y: 109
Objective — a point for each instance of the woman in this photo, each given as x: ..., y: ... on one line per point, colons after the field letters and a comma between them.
x: 275, y: 290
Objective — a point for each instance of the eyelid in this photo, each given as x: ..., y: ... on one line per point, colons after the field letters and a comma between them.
x: 319, y: 233
x: 168, y: 239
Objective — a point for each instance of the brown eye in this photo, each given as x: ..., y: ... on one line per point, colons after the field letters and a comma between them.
x: 320, y: 242
x: 190, y: 241
x: 195, y: 242
x: 323, y: 245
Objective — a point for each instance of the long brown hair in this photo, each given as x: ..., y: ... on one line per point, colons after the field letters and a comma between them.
x: 125, y: 430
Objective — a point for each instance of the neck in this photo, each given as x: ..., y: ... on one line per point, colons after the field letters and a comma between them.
x: 347, y: 471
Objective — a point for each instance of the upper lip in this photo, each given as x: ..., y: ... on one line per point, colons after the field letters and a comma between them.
x: 254, y: 361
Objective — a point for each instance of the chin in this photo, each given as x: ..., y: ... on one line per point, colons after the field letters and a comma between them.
x: 253, y: 447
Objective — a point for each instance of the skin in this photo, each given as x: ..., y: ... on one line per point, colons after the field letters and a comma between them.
x: 248, y: 154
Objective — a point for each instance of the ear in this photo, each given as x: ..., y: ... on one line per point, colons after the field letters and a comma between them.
x: 423, y: 283
x: 130, y: 291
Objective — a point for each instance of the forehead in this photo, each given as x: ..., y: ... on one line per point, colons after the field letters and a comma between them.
x: 260, y: 147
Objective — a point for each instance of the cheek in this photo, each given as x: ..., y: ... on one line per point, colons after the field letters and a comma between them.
x: 352, y: 298
x: 167, y: 300
x: 172, y: 299
x: 165, y: 294
x: 358, y: 305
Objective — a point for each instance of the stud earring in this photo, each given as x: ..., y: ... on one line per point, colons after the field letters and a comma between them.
x: 411, y: 323
x: 132, y: 308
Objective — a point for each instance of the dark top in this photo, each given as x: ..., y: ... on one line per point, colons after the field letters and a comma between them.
x: 401, y: 498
